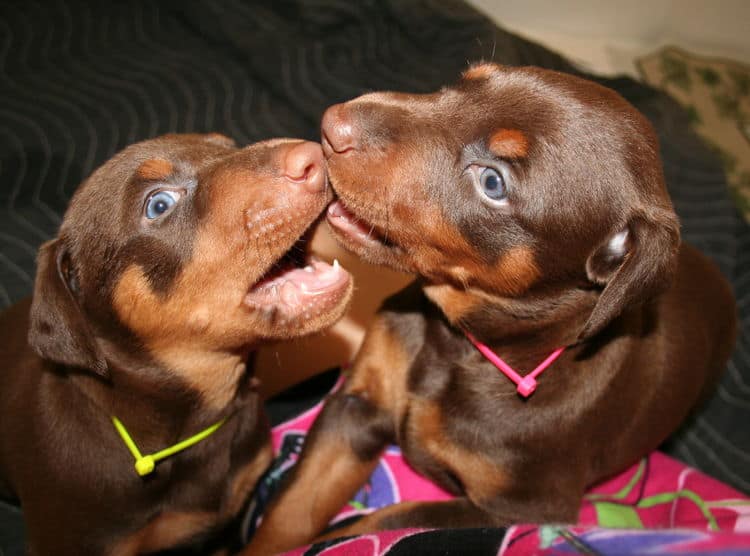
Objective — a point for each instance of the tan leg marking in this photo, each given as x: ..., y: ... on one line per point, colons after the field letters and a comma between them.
x: 329, y: 472
x: 165, y: 531
x: 244, y: 481
x: 324, y: 481
x: 369, y: 523
x: 481, y: 477
x: 380, y: 369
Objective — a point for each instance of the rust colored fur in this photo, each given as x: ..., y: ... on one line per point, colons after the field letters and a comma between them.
x: 145, y: 319
x: 583, y: 250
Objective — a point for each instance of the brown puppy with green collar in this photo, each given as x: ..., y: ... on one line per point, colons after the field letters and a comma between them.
x: 531, y: 205
x: 174, y: 261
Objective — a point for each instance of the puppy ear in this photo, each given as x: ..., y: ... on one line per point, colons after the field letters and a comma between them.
x: 634, y: 264
x: 57, y: 329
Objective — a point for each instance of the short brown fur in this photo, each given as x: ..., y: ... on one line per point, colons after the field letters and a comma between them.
x: 144, y: 316
x: 479, y: 71
x: 574, y: 244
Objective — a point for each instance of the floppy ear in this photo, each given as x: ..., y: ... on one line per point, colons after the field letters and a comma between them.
x: 57, y: 329
x: 634, y: 265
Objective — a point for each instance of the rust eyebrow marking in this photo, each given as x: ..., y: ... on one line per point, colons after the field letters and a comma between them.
x: 479, y: 71
x: 155, y: 169
x: 509, y: 143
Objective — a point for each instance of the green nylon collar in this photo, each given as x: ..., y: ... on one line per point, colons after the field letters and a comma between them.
x: 145, y: 464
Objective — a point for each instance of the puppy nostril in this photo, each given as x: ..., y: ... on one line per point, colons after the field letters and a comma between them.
x: 304, y: 163
x: 339, y: 132
x: 305, y: 173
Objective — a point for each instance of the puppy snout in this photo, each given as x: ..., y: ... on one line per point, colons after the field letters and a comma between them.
x: 340, y: 134
x: 304, y: 164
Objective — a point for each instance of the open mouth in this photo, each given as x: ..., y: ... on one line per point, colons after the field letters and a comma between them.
x: 299, y: 283
x: 353, y: 227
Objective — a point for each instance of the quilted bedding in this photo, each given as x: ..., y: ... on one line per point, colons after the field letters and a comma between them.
x: 80, y: 80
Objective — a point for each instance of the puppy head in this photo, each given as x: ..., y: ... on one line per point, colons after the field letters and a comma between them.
x: 513, y: 182
x: 184, y: 248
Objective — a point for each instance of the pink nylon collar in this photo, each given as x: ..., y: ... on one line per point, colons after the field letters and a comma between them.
x: 525, y: 384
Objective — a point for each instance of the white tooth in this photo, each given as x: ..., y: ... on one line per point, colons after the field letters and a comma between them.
x: 336, y: 264
x: 310, y: 269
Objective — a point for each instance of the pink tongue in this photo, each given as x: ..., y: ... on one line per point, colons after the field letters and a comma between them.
x: 313, y: 278
x: 294, y: 286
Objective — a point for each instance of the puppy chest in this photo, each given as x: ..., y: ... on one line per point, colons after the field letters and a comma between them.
x: 477, y: 435
x: 460, y: 453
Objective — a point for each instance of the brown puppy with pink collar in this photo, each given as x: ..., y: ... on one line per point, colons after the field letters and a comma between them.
x: 175, y: 260
x: 531, y: 205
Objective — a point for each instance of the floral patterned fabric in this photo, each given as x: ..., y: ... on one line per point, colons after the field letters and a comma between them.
x: 659, y: 505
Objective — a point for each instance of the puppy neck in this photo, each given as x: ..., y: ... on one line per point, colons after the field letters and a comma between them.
x: 158, y: 405
x: 213, y: 375
x: 532, y: 323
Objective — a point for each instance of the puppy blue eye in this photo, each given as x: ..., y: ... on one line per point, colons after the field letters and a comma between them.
x: 493, y: 184
x: 160, y: 203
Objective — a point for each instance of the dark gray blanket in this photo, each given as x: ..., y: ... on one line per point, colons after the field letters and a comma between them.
x: 80, y: 80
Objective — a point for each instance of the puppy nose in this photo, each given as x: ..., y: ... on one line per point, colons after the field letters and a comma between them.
x: 305, y: 164
x: 338, y: 130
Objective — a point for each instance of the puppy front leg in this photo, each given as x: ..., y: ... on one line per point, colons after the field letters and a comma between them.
x: 462, y: 512
x: 340, y: 454
x: 343, y: 446
x: 456, y: 513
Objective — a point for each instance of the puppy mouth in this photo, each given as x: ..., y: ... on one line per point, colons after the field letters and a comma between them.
x: 351, y: 226
x: 298, y: 284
